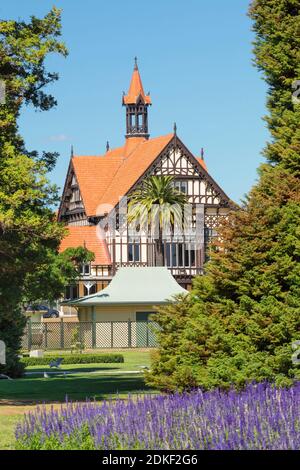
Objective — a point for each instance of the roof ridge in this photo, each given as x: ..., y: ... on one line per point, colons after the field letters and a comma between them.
x: 104, y: 155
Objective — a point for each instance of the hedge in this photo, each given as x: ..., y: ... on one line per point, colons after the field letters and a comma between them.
x: 73, y: 359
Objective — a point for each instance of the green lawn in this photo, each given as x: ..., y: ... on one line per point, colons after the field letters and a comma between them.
x: 79, y: 384
x: 106, y: 380
x: 7, y: 430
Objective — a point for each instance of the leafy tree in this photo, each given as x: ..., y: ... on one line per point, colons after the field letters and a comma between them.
x: 29, y: 233
x: 155, y: 205
x: 243, y: 314
x: 54, y: 273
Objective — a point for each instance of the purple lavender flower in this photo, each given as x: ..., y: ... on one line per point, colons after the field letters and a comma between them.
x: 261, y: 416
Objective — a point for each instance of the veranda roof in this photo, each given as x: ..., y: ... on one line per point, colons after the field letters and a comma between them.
x: 138, y: 285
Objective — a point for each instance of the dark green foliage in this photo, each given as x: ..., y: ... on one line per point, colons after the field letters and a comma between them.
x: 29, y: 234
x: 53, y: 273
x: 243, y: 315
x: 11, y: 328
x: 277, y: 55
x: 74, y: 359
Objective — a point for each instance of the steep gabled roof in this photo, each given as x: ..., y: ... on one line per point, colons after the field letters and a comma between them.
x: 133, y: 168
x: 94, y: 174
x: 86, y: 235
x: 104, y: 179
x: 136, y: 90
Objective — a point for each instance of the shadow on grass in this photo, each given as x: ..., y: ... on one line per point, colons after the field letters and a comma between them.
x: 68, y: 370
x: 55, y: 389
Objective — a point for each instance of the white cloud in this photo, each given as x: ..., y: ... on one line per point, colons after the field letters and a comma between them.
x: 59, y: 138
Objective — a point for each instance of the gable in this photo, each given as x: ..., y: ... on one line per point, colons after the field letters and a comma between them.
x: 175, y: 163
x: 176, y: 160
x: 71, y: 200
x: 103, y: 180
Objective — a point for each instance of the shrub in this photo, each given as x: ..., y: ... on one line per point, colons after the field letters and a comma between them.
x: 74, y: 359
x: 76, y: 343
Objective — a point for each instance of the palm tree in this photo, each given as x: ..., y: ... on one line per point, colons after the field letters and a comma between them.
x: 157, y: 206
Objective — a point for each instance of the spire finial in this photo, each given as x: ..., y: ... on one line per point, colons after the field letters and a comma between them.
x: 202, y: 153
x: 107, y: 146
x: 135, y: 63
x: 175, y: 128
x: 72, y: 151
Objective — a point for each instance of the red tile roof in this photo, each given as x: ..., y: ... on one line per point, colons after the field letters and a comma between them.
x: 103, y: 179
x: 133, y: 167
x: 202, y: 162
x: 94, y: 173
x: 86, y: 235
x: 136, y: 90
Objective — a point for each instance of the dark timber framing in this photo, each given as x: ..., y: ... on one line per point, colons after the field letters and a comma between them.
x: 214, y: 200
x: 137, y: 119
x: 184, y: 262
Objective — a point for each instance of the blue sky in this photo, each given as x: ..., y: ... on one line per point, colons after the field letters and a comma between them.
x: 194, y: 57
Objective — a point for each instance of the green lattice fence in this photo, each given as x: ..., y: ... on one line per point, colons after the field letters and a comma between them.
x: 90, y: 335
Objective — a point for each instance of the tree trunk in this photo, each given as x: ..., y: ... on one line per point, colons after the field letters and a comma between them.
x: 159, y: 250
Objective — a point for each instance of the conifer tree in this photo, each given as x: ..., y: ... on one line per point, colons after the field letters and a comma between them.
x: 244, y: 313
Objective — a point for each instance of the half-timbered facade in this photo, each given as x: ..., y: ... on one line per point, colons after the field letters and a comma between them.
x: 95, y: 188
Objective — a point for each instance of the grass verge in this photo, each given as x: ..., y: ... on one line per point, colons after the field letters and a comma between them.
x: 106, y: 381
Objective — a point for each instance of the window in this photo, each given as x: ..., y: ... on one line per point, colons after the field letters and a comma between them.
x: 190, y: 258
x: 92, y: 290
x: 167, y: 255
x: 209, y: 235
x: 72, y: 292
x: 180, y: 255
x: 182, y: 186
x: 85, y: 269
x: 133, y: 252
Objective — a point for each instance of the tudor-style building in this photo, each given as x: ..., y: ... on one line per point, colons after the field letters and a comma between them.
x: 95, y: 185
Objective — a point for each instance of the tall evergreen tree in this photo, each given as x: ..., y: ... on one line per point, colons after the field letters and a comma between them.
x: 277, y: 55
x: 29, y: 233
x: 244, y: 313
